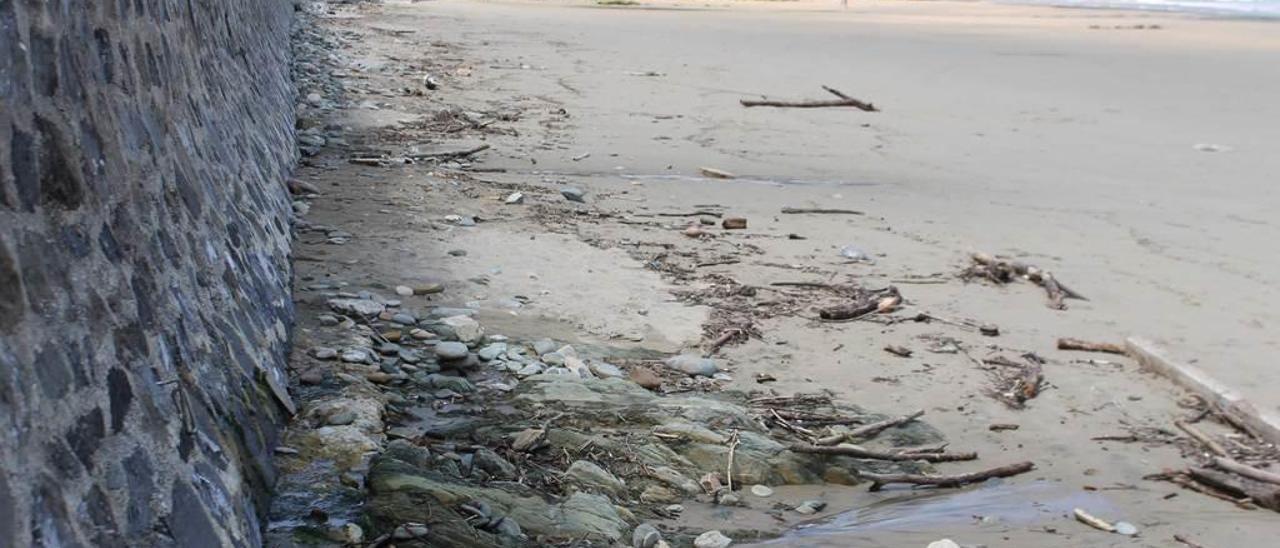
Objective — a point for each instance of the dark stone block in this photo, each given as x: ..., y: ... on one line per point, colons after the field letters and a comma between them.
x: 26, y: 173
x: 108, y: 244
x: 131, y: 343
x: 50, y: 526
x: 60, y: 180
x: 86, y: 436
x: 97, y: 507
x: 120, y: 392
x: 189, y: 521
x: 75, y: 241
x: 143, y: 291
x: 106, y: 63
x: 53, y: 372
x: 141, y: 481
x: 11, y: 293
x: 8, y: 528
x: 44, y: 64
x: 62, y: 460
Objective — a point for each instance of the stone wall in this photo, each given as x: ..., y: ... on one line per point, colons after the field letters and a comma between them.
x: 144, y: 299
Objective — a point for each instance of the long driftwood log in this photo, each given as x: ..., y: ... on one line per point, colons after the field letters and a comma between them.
x: 868, y: 304
x: 1265, y: 495
x: 1246, y: 470
x: 841, y: 100
x: 857, y: 451
x: 1068, y: 343
x: 869, y: 430
x: 955, y: 480
x: 820, y: 211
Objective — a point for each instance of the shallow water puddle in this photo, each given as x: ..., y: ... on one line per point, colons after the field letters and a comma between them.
x: 992, y: 507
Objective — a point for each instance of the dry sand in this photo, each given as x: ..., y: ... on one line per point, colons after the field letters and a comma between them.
x: 1012, y: 130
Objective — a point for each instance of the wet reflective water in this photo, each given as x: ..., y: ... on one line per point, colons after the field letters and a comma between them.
x: 897, y: 517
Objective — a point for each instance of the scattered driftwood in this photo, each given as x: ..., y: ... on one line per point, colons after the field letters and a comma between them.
x: 841, y: 100
x: 859, y: 452
x: 1016, y: 383
x: 820, y: 211
x: 870, y: 430
x: 716, y: 173
x: 1246, y: 470
x: 1067, y: 343
x: 955, y: 480
x: 1002, y: 271
x: 1263, y: 494
x: 1204, y: 439
x: 1184, y: 479
x: 872, y: 302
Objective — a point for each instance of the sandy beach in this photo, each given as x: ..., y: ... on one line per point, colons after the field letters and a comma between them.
x: 1132, y: 154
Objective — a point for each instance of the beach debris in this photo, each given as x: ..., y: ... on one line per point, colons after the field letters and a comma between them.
x: 870, y: 302
x: 761, y: 491
x: 859, y: 452
x: 900, y: 351
x: 714, y: 173
x: 1014, y: 383
x: 1002, y: 271
x: 1210, y: 147
x: 841, y: 100
x: 1246, y: 470
x: 1187, y: 541
x: 581, y: 157
x: 819, y: 211
x: 810, y: 507
x: 734, y: 223
x: 856, y: 254
x: 943, y: 543
x: 514, y: 198
x: 1204, y: 439
x: 868, y: 431
x: 1067, y: 343
x: 1093, y: 521
x: 878, y: 481
x: 573, y: 194
x: 1002, y: 426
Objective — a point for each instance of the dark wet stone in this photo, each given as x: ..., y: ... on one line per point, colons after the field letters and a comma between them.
x: 49, y: 520
x: 120, y: 394
x: 60, y: 178
x: 26, y: 172
x: 86, y: 436
x: 62, y: 460
x: 8, y: 528
x: 11, y: 293
x: 141, y: 482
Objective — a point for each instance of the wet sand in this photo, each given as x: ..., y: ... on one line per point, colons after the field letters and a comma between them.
x: 1004, y: 129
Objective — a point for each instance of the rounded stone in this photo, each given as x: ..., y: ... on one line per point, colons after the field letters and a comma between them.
x: 712, y: 539
x: 451, y: 351
x: 761, y: 491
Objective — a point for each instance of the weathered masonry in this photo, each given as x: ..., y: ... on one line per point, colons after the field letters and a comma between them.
x: 144, y: 274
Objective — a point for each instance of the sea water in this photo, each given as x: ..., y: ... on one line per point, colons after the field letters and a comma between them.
x: 1252, y: 9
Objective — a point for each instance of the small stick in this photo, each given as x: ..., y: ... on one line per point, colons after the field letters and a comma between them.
x: 869, y: 430
x: 900, y: 351
x: 820, y: 211
x: 1183, y: 539
x: 856, y: 451
x: 1246, y: 470
x: 1067, y: 343
x: 880, y: 480
x: 1204, y: 439
x: 717, y: 263
x: 722, y: 340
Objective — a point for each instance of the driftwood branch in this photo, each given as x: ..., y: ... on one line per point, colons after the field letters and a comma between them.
x: 956, y: 480
x: 870, y: 430
x: 859, y: 452
x: 451, y: 153
x: 1204, y: 439
x: 1265, y: 495
x: 1003, y: 271
x: 1246, y: 470
x: 820, y: 211
x: 1068, y: 343
x: 842, y: 100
